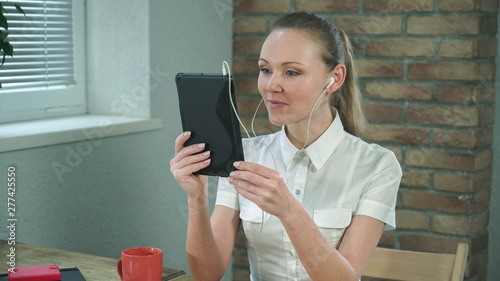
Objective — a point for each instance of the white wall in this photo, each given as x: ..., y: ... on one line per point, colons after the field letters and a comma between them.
x: 122, y: 194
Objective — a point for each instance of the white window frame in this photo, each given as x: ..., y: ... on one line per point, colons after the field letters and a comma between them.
x: 18, y: 105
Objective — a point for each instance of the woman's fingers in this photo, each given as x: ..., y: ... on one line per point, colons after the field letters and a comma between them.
x: 188, y: 159
x: 180, y: 140
x: 192, y: 160
x: 257, y: 169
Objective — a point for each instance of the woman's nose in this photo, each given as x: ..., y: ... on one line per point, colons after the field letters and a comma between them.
x: 274, y: 84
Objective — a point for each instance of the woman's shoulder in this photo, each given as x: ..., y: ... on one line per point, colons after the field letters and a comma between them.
x: 370, y: 151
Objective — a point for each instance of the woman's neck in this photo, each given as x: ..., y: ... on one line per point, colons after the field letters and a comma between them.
x: 320, y: 121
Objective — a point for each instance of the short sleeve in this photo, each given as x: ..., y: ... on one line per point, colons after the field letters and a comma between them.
x: 227, y: 195
x: 379, y: 197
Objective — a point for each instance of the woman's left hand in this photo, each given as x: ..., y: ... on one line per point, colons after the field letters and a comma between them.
x: 263, y: 186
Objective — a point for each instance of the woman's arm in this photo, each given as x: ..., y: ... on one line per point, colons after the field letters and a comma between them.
x: 209, y: 242
x: 320, y: 259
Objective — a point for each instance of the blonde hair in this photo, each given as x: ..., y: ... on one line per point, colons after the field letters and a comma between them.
x: 337, y: 49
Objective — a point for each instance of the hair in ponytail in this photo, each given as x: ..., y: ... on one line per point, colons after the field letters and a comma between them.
x: 336, y: 49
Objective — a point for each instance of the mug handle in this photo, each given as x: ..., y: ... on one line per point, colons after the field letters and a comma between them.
x: 119, y: 268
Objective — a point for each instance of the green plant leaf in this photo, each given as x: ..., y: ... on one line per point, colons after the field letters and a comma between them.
x: 3, y: 60
x: 3, y: 22
x: 20, y: 10
x: 3, y: 35
x: 7, y: 48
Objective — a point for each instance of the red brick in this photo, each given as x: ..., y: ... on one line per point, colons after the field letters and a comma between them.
x: 454, y: 48
x: 458, y: 5
x: 248, y: 46
x: 477, y: 264
x: 452, y: 161
x: 411, y: 220
x: 459, y: 48
x: 334, y: 6
x: 249, y: 25
x: 383, y: 112
x: 261, y: 6
x: 482, y: 199
x: 387, y: 240
x: 489, y: 6
x: 443, y: 70
x: 449, y: 203
x: 486, y: 116
x: 445, y: 160
x: 468, y: 5
x: 479, y: 242
x: 487, y: 71
x: 398, y: 91
x: 486, y: 94
x: 398, y: 6
x: 248, y: 104
x: 484, y: 137
x: 466, y: 95
x: 483, y: 159
x: 379, y: 69
x: 245, y: 85
x: 459, y: 225
x: 487, y: 48
x: 245, y: 66
x: 462, y: 182
x: 430, y: 243
x: 455, y: 138
x: 401, y: 47
x: 384, y: 133
x: 369, y: 24
x: 445, y: 24
x: 415, y: 178
x: 488, y: 24
x: 443, y: 115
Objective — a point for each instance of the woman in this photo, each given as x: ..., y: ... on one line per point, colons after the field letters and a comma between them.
x: 317, y: 198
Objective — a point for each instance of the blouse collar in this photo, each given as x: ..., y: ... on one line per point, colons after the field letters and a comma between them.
x: 320, y: 150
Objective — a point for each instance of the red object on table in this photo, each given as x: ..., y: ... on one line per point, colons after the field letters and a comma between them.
x: 35, y: 273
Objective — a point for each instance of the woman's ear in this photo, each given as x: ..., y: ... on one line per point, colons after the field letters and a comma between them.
x: 339, y: 74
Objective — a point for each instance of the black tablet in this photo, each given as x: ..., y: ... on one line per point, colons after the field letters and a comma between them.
x: 207, y: 113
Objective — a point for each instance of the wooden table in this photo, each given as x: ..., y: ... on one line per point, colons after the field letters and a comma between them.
x: 93, y: 268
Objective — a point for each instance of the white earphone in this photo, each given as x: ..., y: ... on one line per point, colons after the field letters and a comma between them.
x: 333, y: 81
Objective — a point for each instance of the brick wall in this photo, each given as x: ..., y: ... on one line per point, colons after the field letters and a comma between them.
x: 427, y: 70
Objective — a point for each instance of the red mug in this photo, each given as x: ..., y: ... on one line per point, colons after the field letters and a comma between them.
x: 141, y: 264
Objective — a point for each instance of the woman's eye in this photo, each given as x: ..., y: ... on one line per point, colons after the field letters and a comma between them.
x: 292, y: 73
x: 264, y: 70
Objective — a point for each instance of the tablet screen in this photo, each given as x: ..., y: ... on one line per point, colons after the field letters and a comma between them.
x: 207, y: 113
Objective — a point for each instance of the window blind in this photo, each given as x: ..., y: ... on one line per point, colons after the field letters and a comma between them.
x: 43, y: 45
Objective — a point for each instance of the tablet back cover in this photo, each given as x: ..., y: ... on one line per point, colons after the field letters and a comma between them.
x: 207, y: 113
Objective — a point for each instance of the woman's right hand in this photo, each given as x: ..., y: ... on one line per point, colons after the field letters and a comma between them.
x: 188, y: 160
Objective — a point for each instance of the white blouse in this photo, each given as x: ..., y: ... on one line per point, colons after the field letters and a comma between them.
x: 337, y: 177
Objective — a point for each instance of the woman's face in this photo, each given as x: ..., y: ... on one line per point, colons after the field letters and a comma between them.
x: 292, y: 76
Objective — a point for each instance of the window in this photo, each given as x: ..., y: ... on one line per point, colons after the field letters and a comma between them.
x: 46, y: 76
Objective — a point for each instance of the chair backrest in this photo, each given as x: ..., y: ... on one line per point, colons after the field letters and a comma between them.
x: 415, y: 266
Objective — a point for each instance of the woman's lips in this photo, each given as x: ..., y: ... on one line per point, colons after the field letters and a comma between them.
x: 275, y: 104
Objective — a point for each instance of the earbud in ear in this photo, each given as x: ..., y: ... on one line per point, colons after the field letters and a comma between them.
x: 332, y: 81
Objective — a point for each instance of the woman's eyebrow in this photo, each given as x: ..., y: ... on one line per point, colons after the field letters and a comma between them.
x: 284, y: 63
